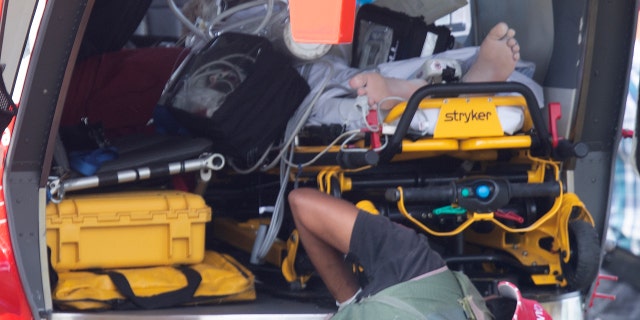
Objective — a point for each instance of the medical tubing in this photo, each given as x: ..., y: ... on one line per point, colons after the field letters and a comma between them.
x: 225, y: 62
x: 192, y: 27
x: 227, y: 13
x: 280, y: 16
x: 204, y: 70
x: 290, y: 136
x: 324, y: 151
x: 254, y: 167
x: 259, y: 240
x: 397, y: 98
x: 232, y: 27
x: 267, y: 17
x: 278, y: 213
x: 285, y: 170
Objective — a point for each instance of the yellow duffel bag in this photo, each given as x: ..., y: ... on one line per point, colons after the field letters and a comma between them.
x: 219, y: 278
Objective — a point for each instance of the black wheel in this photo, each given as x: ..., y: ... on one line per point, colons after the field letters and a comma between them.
x: 582, y: 268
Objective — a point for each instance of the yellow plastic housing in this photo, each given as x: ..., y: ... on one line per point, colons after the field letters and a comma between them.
x: 132, y: 229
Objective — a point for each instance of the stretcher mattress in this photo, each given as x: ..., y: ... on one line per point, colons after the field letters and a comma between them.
x: 424, y: 122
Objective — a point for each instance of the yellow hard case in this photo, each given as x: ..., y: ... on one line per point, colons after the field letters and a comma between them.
x: 127, y: 229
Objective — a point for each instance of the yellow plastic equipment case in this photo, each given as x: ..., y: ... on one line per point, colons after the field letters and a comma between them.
x: 127, y: 229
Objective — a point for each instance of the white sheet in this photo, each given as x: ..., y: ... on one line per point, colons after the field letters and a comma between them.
x: 336, y: 104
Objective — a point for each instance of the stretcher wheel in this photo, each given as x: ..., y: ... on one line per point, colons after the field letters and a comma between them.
x: 582, y: 268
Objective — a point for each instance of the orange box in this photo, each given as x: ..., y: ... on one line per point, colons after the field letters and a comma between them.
x: 127, y: 229
x: 322, y: 21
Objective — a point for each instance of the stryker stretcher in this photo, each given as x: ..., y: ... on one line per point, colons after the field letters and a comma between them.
x: 490, y: 199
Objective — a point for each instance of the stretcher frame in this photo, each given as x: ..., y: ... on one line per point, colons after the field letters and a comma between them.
x: 547, y: 264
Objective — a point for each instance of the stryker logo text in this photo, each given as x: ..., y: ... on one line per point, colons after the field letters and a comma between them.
x: 467, y: 116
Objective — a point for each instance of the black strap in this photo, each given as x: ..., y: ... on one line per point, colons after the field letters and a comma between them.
x: 53, y: 275
x: 162, y: 300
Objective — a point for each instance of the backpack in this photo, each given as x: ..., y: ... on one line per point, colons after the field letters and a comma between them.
x: 237, y: 91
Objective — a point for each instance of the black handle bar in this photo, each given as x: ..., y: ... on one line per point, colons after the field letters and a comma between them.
x: 501, y: 192
x: 357, y: 159
x: 540, y: 139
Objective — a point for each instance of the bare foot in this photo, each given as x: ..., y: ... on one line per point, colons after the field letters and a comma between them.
x: 497, y: 58
x: 384, y: 92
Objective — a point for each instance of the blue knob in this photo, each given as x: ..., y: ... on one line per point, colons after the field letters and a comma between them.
x: 363, y: 2
x: 483, y: 191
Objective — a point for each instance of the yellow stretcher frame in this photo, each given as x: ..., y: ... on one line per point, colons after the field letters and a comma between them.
x: 449, y: 142
x: 521, y: 243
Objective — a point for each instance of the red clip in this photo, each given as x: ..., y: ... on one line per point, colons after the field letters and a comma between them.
x: 372, y: 120
x: 509, y: 215
x: 555, y: 113
x: 595, y: 294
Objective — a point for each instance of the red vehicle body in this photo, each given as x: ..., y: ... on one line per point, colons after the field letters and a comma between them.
x: 39, y: 44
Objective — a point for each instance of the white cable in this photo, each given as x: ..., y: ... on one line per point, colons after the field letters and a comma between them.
x: 401, y: 99
x: 380, y: 119
x: 252, y: 168
x: 226, y: 62
x: 266, y: 19
x: 231, y: 27
x: 324, y: 151
x: 227, y: 13
x: 235, y: 26
x: 285, y: 170
x: 286, y: 164
x: 219, y: 6
x: 221, y: 69
x: 303, y: 119
x: 196, y: 77
x: 300, y: 123
x: 192, y: 27
x: 278, y: 214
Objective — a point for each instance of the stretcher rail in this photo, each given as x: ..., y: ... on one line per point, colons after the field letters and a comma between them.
x: 541, y: 143
x: 479, y: 194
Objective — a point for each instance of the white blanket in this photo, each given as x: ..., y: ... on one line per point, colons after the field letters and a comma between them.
x: 336, y: 105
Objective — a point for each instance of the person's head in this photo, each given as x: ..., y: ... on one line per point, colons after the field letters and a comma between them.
x: 510, y: 305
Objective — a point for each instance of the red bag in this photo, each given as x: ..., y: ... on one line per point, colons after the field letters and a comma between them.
x: 119, y: 90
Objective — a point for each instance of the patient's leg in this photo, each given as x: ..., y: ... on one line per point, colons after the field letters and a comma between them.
x: 325, y: 225
x: 497, y: 59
